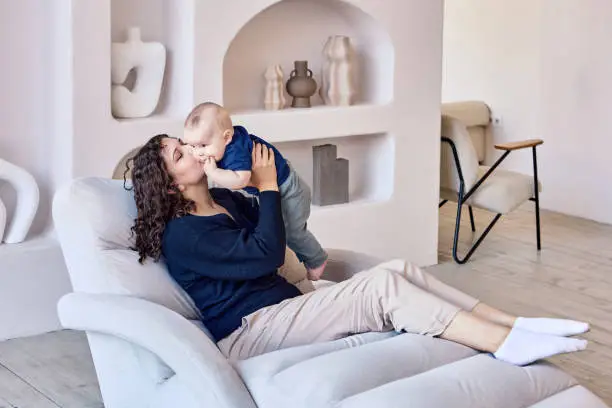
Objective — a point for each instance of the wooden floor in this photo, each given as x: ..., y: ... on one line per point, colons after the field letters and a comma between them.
x: 48, y: 371
x: 571, y: 277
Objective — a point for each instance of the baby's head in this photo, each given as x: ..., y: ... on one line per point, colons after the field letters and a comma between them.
x: 209, y: 129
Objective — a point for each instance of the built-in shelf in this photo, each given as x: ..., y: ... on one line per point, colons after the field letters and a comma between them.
x: 371, y: 165
x: 359, y: 203
x: 169, y: 22
x: 318, y: 122
x: 293, y: 30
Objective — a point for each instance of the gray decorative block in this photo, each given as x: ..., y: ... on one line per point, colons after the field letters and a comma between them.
x: 330, y: 176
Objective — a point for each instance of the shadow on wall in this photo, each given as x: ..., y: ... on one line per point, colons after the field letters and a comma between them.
x: 120, y: 169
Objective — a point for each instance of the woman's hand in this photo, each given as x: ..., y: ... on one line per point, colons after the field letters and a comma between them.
x: 263, y: 172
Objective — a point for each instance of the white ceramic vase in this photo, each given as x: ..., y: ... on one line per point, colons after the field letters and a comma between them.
x: 338, y: 88
x: 148, y: 59
x: 15, y: 230
x: 274, y: 98
x: 324, y: 86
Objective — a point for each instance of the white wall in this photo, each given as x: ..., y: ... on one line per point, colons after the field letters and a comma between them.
x: 576, y: 96
x: 32, y: 274
x: 545, y: 68
x: 25, y: 79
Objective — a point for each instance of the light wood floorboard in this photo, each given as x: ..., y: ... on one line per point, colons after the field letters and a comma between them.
x: 57, y: 366
x: 571, y: 277
x: 17, y: 393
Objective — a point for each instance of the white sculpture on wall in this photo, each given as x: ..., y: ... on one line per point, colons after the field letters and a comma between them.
x: 16, y: 229
x: 149, y: 61
x: 338, y: 76
x: 274, y: 98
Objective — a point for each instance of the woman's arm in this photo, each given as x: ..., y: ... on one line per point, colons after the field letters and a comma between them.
x: 240, y: 254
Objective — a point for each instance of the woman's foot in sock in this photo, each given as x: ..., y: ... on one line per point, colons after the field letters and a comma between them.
x: 522, y: 347
x: 315, y: 273
x: 557, y: 327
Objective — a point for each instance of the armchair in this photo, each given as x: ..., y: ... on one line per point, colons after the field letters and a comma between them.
x: 465, y: 181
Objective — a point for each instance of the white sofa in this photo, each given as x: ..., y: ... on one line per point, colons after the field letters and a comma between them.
x: 150, y: 350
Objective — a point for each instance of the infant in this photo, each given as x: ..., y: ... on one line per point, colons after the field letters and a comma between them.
x: 209, y: 129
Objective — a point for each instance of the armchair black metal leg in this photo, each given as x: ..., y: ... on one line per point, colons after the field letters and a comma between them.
x: 462, y: 197
x: 537, y: 196
x: 478, y: 241
x: 472, y: 219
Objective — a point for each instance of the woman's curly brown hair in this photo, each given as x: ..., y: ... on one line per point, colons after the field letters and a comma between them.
x: 158, y: 199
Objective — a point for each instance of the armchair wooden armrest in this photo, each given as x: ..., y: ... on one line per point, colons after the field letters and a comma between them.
x: 519, y: 145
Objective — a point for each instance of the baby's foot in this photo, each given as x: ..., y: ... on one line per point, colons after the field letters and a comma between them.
x: 315, y: 274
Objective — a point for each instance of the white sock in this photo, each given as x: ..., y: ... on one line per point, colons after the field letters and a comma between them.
x: 523, y: 347
x: 558, y: 327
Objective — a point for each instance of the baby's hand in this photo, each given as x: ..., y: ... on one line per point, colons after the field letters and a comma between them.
x: 210, y: 165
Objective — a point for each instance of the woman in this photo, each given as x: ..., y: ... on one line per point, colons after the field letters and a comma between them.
x: 224, y: 250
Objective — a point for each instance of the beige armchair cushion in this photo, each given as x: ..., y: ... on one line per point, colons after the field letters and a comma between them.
x: 455, y: 130
x: 476, y: 116
x: 503, y: 191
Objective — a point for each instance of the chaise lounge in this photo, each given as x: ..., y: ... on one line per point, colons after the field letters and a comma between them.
x: 150, y: 350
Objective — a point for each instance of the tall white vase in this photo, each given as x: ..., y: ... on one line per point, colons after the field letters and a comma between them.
x: 274, y: 98
x: 17, y: 228
x: 149, y: 61
x: 324, y: 86
x: 339, y: 72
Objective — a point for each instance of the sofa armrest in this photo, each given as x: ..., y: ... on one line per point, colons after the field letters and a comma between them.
x: 181, y: 345
x: 519, y: 145
x: 343, y: 264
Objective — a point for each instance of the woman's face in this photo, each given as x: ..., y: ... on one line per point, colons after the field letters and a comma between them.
x: 182, y: 165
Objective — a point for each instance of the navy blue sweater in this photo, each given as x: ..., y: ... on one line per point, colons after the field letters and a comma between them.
x: 229, y: 266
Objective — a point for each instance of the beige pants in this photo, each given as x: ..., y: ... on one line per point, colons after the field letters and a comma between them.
x: 394, y: 295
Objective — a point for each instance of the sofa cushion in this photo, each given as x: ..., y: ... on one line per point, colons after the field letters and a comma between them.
x: 476, y: 382
x: 97, y: 244
x: 331, y: 372
x: 576, y: 396
x: 110, y: 266
x: 395, y: 370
